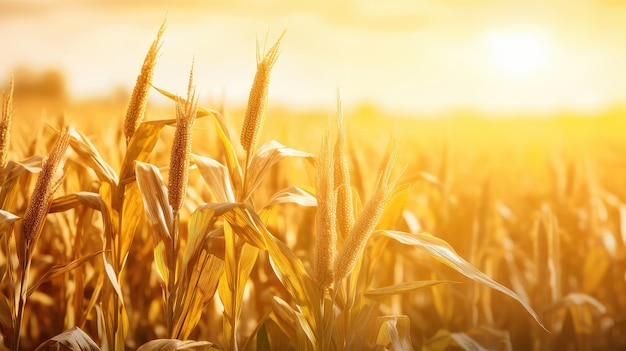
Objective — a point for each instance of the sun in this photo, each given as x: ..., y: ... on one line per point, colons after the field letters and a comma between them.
x: 517, y: 53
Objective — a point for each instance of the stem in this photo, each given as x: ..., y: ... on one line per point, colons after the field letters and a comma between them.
x: 23, y: 297
x: 233, y: 333
x: 243, y: 195
x: 117, y: 266
x: 172, y: 277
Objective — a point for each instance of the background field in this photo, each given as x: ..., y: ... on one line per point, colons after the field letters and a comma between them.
x: 535, y: 202
x: 468, y: 194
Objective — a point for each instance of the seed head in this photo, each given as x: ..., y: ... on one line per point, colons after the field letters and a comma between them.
x: 325, y: 217
x: 5, y: 128
x: 181, y: 148
x: 345, y: 207
x: 139, y: 98
x: 47, y: 183
x: 257, y: 101
x: 358, y: 236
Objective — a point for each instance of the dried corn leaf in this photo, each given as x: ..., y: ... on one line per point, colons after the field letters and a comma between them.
x: 200, y: 226
x: 263, y: 160
x: 7, y: 217
x: 444, y: 339
x: 154, y: 194
x: 161, y: 262
x: 140, y: 147
x: 578, y: 299
x: 393, y: 210
x: 132, y: 212
x: 74, y: 339
x: 176, y: 345
x: 59, y: 270
x: 444, y: 253
x: 6, y: 314
x: 227, y: 288
x: 200, y: 112
x: 14, y: 169
x: 199, y: 283
x: 232, y: 162
x: 296, y: 195
x: 240, y: 219
x: 293, y: 323
x: 287, y: 266
x: 394, y: 331
x: 216, y: 177
x: 239, y: 262
x: 358, y: 337
x: 284, y: 316
x: 88, y: 153
x: 110, y: 272
x: 156, y: 205
x: 69, y: 201
x: 115, y: 323
x: 405, y: 287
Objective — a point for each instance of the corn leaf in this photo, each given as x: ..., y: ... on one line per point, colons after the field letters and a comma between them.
x: 358, y: 337
x: 110, y: 272
x: 444, y: 339
x: 404, y: 287
x: 200, y: 112
x: 88, y: 153
x: 6, y: 314
x: 161, y: 261
x: 394, y: 331
x: 227, y: 288
x: 232, y: 162
x: 159, y: 213
x: 154, y: 194
x: 14, y: 169
x: 293, y: 324
x: 577, y: 299
x: 176, y: 345
x: 287, y: 266
x: 238, y: 265
x: 59, y: 270
x: 263, y: 160
x: 199, y: 284
x: 444, y: 253
x: 132, y: 212
x: 216, y: 177
x: 74, y: 339
x: 7, y: 217
x: 140, y: 147
x: 69, y: 201
x: 200, y: 225
x: 244, y: 226
x: 294, y: 194
x: 109, y: 215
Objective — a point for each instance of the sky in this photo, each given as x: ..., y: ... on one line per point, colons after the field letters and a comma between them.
x: 408, y: 55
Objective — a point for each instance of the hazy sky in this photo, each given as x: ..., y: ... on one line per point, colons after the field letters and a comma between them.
x: 410, y: 55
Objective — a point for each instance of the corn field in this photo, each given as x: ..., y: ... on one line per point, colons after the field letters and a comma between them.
x: 257, y: 230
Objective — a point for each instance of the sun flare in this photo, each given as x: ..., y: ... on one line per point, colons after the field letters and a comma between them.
x: 517, y: 53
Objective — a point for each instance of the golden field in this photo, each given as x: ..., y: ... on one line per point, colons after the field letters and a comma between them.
x: 200, y: 227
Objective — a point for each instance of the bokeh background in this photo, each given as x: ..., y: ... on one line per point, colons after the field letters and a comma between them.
x: 415, y: 56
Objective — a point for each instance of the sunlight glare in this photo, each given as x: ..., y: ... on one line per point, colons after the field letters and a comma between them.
x: 517, y: 53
